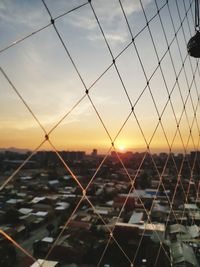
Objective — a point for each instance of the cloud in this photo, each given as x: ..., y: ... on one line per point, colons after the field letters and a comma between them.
x: 84, y: 22
x: 112, y: 38
x: 111, y: 18
x: 111, y: 10
x: 135, y: 6
x: 26, y: 16
x: 22, y: 13
x: 107, y: 12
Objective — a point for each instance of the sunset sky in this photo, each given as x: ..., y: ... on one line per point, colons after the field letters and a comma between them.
x: 42, y: 72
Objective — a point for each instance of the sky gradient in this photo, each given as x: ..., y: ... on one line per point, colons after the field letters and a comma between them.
x: 44, y: 75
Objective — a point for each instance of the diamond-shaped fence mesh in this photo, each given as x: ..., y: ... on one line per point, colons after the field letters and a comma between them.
x: 115, y: 76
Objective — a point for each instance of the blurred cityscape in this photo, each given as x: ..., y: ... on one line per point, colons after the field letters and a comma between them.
x: 126, y: 206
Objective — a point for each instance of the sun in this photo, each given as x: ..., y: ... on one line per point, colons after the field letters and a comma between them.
x: 121, y: 148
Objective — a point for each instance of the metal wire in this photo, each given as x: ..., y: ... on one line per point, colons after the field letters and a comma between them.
x: 192, y: 87
x: 197, y: 14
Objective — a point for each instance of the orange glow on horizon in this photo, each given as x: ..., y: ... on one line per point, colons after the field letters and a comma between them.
x: 74, y: 140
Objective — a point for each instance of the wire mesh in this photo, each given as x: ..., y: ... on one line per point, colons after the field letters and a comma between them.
x: 122, y: 74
